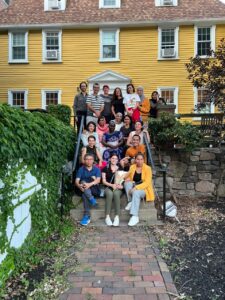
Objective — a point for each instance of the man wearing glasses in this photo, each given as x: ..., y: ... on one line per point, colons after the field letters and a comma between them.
x: 95, y: 105
x: 87, y: 180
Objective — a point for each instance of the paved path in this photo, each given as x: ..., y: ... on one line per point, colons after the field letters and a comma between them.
x: 119, y: 264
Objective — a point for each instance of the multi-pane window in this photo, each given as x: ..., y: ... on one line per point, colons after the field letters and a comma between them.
x: 109, y: 3
x: 168, y: 42
x: 166, y: 2
x: 109, y: 45
x: 18, y: 99
x: 18, y: 46
x: 52, y: 46
x: 203, y: 104
x: 204, y: 40
x: 169, y: 95
x: 54, y: 5
x: 50, y: 97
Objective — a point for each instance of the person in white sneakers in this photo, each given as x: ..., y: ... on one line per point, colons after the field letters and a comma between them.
x: 138, y: 185
x: 113, y: 191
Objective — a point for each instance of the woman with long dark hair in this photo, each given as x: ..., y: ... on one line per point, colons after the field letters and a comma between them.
x: 138, y: 185
x: 113, y: 191
x: 117, y: 102
x: 91, y: 130
x: 138, y: 129
x: 131, y: 102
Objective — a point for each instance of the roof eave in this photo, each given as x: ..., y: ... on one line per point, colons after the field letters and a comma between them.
x: 200, y: 22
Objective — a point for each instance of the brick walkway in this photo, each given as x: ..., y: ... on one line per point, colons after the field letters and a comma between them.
x: 119, y: 264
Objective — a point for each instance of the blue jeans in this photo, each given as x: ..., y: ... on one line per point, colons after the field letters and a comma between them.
x: 135, y: 198
x: 87, y: 195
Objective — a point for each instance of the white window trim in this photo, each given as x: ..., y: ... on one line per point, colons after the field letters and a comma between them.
x: 196, y: 101
x: 176, y: 43
x: 160, y: 3
x: 10, y: 98
x: 44, y: 60
x: 43, y: 96
x: 117, y: 45
x: 213, y: 38
x: 47, y: 8
x: 18, y: 61
x: 176, y: 94
x: 101, y: 4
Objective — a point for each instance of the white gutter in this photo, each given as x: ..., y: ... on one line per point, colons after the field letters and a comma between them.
x: 160, y: 23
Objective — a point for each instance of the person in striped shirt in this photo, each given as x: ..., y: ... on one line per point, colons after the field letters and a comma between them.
x: 95, y: 105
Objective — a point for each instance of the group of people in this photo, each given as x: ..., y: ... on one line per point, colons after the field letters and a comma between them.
x: 113, y: 149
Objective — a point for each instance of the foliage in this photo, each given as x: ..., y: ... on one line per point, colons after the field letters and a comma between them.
x: 35, y: 137
x: 42, y: 266
x: 61, y: 112
x: 40, y: 144
x: 188, y: 135
x: 167, y: 131
x: 209, y: 73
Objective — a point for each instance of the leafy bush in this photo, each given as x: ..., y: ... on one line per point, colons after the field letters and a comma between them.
x: 167, y: 131
x: 40, y: 144
x: 61, y: 112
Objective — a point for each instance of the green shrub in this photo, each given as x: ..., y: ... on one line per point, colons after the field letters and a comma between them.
x: 40, y: 144
x: 61, y: 112
x: 167, y: 131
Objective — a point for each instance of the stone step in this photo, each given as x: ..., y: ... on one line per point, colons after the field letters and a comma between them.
x: 101, y: 223
x: 147, y: 211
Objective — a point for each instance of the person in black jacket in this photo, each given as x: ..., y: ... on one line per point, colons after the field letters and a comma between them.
x: 153, y: 104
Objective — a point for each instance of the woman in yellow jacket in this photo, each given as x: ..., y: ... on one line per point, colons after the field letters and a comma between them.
x: 138, y: 185
x: 144, y: 106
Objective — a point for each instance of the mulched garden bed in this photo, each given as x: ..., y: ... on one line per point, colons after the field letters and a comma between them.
x: 194, y: 249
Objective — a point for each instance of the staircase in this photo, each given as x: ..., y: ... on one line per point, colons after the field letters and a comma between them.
x: 147, y: 212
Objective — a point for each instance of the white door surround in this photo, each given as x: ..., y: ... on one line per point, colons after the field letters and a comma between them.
x: 112, y: 79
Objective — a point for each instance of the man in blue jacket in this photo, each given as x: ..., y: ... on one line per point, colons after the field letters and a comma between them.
x: 87, y: 180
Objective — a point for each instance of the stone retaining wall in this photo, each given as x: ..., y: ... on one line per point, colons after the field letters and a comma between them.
x: 192, y: 174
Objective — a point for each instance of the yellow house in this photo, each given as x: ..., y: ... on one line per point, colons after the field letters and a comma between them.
x: 49, y: 46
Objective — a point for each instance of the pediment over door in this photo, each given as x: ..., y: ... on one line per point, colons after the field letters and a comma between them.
x: 112, y: 79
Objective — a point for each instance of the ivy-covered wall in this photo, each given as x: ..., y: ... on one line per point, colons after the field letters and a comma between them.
x: 33, y: 149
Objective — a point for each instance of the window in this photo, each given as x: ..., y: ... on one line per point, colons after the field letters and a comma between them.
x: 50, y: 97
x: 166, y: 2
x: 170, y: 95
x: 54, y: 5
x: 18, y: 98
x: 202, y: 101
x: 18, y: 47
x: 109, y: 45
x: 168, y: 43
x: 204, y: 40
x: 52, y: 46
x: 109, y: 3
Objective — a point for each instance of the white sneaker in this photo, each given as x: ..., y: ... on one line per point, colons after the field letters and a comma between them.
x: 116, y: 221
x: 133, y: 221
x: 108, y: 221
x: 128, y: 207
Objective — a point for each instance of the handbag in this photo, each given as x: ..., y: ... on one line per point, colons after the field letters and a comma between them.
x: 102, y: 193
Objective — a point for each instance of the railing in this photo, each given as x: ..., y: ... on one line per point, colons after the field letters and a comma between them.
x: 163, y: 170
x: 73, y: 121
x: 77, y: 146
x: 210, y: 125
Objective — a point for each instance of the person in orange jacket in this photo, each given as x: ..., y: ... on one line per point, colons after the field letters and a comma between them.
x: 144, y: 106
